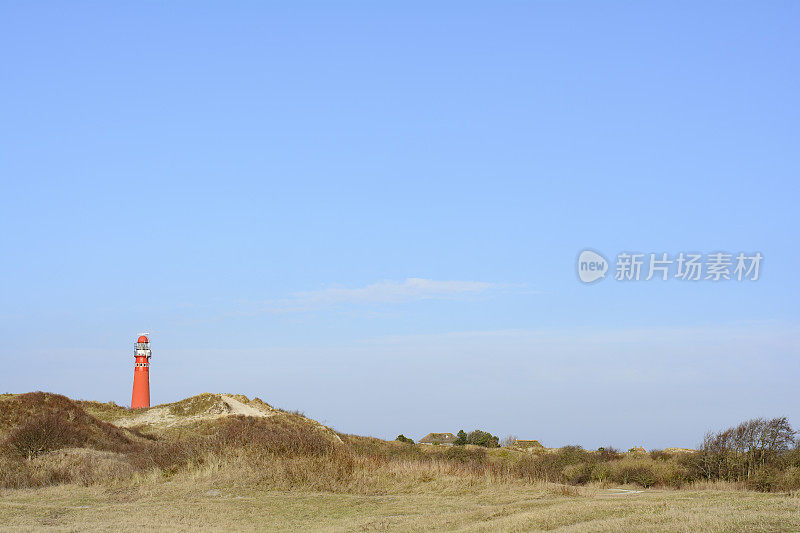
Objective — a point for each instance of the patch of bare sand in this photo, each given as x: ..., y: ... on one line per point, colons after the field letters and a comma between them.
x: 207, y: 407
x: 220, y: 405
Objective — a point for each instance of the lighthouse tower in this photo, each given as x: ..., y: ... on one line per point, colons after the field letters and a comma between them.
x: 141, y: 373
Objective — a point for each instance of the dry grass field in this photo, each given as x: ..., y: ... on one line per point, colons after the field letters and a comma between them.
x: 201, y: 504
x: 224, y: 462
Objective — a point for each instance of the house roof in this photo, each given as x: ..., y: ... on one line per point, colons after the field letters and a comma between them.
x: 528, y: 443
x: 441, y: 438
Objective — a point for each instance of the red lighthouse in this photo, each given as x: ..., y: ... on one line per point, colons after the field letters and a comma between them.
x: 141, y: 373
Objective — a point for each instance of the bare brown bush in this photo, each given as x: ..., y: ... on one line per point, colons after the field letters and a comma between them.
x: 40, y: 434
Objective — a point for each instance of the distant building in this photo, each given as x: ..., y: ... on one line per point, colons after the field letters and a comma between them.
x: 527, y: 444
x: 446, y: 439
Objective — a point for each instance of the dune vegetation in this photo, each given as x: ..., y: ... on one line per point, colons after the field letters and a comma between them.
x: 201, y: 463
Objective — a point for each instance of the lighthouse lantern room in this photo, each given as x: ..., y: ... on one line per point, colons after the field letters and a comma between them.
x: 141, y: 373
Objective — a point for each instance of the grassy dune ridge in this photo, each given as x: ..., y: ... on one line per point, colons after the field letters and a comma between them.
x: 62, y: 461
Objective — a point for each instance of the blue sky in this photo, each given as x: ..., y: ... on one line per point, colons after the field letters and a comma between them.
x: 372, y: 213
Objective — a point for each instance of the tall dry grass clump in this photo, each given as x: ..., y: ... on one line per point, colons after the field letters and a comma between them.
x: 283, y: 452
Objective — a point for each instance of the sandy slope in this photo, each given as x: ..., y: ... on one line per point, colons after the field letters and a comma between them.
x: 220, y: 405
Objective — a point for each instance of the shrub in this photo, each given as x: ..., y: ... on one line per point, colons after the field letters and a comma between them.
x: 462, y: 454
x: 552, y: 466
x: 483, y: 438
x: 641, y: 470
x: 577, y: 474
x: 40, y: 434
x: 640, y: 474
x: 608, y: 453
x: 573, y: 454
x: 404, y: 439
x: 660, y: 455
x: 791, y: 479
x: 478, y: 438
x: 766, y: 479
x: 792, y: 457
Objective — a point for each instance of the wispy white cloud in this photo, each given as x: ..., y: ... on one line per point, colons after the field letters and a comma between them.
x: 384, y: 292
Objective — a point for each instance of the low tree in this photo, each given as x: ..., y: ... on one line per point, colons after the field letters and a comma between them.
x: 483, y: 438
x: 403, y: 438
x: 478, y: 438
x: 739, y: 453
